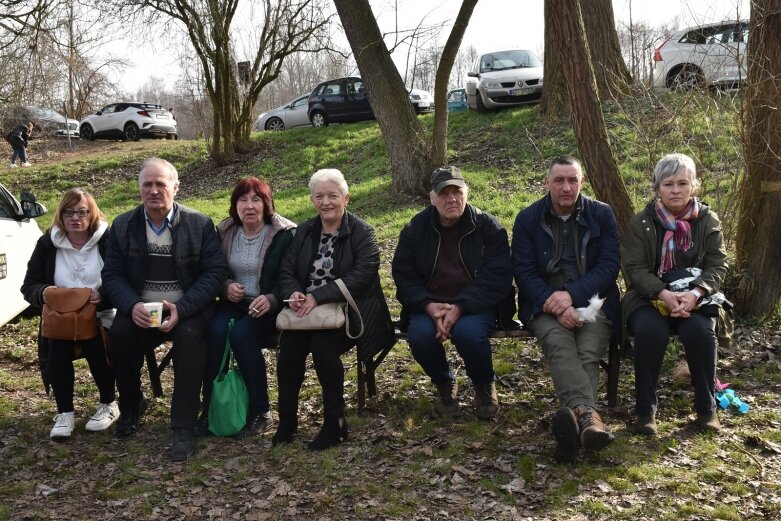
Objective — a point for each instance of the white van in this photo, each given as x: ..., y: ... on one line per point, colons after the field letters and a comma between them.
x: 18, y: 234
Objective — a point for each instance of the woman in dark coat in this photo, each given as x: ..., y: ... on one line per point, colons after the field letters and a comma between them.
x: 254, y: 239
x: 333, y: 245
x: 674, y: 263
x: 70, y: 255
x: 18, y: 139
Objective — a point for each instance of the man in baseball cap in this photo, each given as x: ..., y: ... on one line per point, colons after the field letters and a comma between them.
x: 454, y: 281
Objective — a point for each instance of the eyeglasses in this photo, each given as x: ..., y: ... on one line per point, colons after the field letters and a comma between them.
x: 70, y: 213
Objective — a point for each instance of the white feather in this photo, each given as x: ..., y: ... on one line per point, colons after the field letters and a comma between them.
x: 590, y: 313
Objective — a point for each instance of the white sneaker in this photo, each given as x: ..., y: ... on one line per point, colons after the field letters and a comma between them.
x: 25, y: 164
x: 14, y: 165
x: 63, y: 425
x: 105, y: 415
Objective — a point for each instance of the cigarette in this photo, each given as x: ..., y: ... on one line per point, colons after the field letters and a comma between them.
x: 294, y: 300
x: 255, y: 310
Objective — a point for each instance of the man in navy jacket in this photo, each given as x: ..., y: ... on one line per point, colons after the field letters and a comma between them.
x: 454, y: 281
x: 162, y: 251
x: 566, y: 250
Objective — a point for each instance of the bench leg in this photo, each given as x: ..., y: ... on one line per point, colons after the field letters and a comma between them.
x: 154, y: 373
x: 371, y: 379
x: 613, y: 372
x: 361, y: 386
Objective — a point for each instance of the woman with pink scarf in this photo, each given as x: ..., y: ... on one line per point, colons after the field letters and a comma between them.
x: 674, y: 262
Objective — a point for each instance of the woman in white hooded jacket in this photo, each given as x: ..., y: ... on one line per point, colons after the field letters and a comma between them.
x: 70, y: 255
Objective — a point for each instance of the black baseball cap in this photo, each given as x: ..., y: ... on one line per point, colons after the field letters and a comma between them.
x: 446, y: 176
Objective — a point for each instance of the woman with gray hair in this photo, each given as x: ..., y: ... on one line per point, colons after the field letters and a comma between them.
x: 335, y: 244
x: 674, y: 261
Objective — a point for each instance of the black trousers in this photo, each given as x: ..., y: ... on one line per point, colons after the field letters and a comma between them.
x: 128, y: 345
x: 652, y: 334
x: 61, y: 373
x: 327, y: 347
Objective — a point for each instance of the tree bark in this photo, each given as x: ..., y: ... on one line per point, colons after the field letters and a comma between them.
x: 554, y: 103
x: 758, y: 247
x: 613, y: 78
x: 446, y: 62
x: 408, y: 147
x: 590, y: 131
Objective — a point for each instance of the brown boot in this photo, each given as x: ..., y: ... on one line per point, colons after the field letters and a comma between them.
x: 447, y: 405
x: 486, y: 401
x: 645, y: 425
x: 565, y: 429
x: 593, y: 435
x: 709, y: 422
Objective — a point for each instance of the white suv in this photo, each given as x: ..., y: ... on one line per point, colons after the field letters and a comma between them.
x: 708, y: 55
x: 19, y: 234
x: 504, y: 79
x: 130, y: 120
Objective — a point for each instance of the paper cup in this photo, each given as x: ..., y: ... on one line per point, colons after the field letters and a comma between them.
x: 155, y: 310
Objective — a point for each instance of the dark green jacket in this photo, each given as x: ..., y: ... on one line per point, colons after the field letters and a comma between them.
x: 641, y: 256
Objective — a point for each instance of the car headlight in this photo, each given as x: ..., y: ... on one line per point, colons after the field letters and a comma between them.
x: 492, y: 85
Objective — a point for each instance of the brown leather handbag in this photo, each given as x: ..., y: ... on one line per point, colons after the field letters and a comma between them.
x: 69, y: 315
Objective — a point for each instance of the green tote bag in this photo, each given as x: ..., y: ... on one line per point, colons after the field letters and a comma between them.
x: 230, y: 400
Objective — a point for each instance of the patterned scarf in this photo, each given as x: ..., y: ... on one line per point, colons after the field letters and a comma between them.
x: 678, y: 231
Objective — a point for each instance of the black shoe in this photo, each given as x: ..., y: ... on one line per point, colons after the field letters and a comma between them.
x: 256, y: 425
x: 331, y: 434
x: 285, y: 431
x: 486, y: 401
x: 565, y: 430
x: 128, y: 421
x: 202, y: 425
x: 183, y: 445
x: 447, y: 400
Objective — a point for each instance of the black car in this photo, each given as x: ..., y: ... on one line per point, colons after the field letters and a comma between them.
x: 338, y: 101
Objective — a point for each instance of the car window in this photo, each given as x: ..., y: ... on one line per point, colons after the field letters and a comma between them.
x: 7, y: 207
x: 301, y: 101
x: 331, y: 89
x: 457, y: 95
x: 108, y: 109
x: 355, y: 86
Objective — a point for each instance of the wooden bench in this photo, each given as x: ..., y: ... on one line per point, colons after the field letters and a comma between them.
x: 367, y: 380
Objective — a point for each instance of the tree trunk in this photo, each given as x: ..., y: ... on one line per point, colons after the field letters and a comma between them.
x: 554, y: 103
x: 408, y: 147
x: 589, y: 123
x: 449, y: 54
x: 758, y: 247
x: 613, y: 79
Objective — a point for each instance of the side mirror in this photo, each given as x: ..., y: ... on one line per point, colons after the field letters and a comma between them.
x: 30, y: 208
x: 472, y: 74
x: 99, y: 113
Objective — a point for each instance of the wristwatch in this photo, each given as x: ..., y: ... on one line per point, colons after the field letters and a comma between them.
x: 696, y: 292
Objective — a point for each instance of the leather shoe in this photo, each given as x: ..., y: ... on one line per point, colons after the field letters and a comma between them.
x: 645, y: 425
x: 486, y: 401
x: 183, y: 445
x: 128, y: 421
x: 565, y: 429
x: 256, y: 425
x: 593, y: 435
x: 447, y: 403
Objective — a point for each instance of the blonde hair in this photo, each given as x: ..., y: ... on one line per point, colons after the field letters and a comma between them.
x: 72, y: 197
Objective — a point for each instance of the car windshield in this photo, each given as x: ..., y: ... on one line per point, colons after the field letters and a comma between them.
x: 501, y: 61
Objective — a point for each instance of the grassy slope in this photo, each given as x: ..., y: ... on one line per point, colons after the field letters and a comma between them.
x: 402, y: 463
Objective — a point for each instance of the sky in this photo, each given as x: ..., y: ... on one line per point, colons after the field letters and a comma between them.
x: 495, y: 25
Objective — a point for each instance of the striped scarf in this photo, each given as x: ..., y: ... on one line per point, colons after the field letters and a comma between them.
x: 678, y: 231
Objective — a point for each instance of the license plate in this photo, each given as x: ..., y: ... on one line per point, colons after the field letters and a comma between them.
x: 161, y: 116
x: 522, y: 91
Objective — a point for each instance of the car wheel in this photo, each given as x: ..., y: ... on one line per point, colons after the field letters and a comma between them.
x: 275, y: 124
x: 479, y: 102
x: 87, y: 132
x: 131, y: 132
x: 686, y: 78
x: 319, y: 119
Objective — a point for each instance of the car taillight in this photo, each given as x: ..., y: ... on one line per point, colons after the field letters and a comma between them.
x: 657, y: 51
x: 144, y: 113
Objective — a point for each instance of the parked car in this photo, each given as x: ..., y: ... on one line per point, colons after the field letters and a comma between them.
x: 504, y: 79
x: 290, y: 115
x: 338, y: 101
x: 20, y: 232
x: 456, y: 100
x: 129, y: 120
x: 708, y: 55
x: 47, y: 122
x: 422, y: 101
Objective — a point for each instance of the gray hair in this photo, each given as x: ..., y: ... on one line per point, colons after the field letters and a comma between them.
x: 464, y: 189
x: 164, y: 165
x: 329, y: 175
x: 566, y: 159
x: 670, y: 165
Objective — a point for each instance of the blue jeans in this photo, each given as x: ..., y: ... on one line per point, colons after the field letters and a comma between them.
x: 248, y: 336
x: 19, y: 151
x: 470, y: 336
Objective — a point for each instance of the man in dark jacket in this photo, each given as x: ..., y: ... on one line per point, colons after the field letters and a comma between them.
x: 454, y: 281
x: 18, y: 139
x: 565, y: 251
x: 162, y: 251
